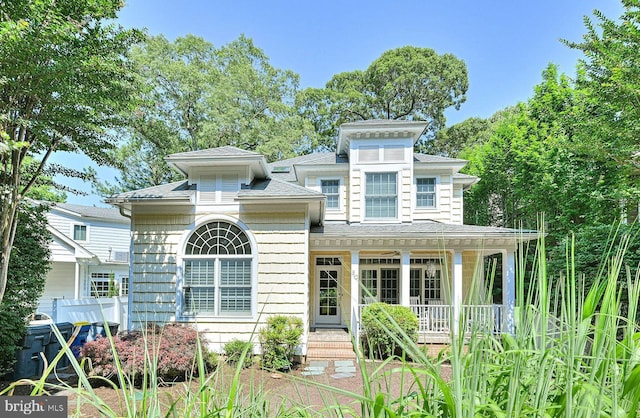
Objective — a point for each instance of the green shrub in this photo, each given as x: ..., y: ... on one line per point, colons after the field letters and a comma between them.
x: 235, y: 349
x: 384, y: 326
x: 278, y: 340
x: 28, y: 267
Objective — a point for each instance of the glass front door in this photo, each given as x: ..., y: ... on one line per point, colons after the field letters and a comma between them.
x: 327, y: 295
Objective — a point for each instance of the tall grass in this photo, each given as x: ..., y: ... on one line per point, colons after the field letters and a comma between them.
x: 572, y: 354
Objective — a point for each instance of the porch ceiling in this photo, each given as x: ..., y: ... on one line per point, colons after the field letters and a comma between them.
x: 417, y: 236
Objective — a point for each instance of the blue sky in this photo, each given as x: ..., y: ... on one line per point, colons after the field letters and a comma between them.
x: 505, y: 44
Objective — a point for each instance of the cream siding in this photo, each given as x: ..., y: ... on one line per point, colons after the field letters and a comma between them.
x: 153, y: 285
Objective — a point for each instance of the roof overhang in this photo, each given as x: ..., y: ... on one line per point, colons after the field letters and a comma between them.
x: 186, y: 163
x: 378, y: 129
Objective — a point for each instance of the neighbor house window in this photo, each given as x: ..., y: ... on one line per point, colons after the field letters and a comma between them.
x: 100, y: 283
x: 217, y: 278
x: 331, y: 189
x: 426, y: 192
x: 381, y: 196
x: 79, y: 232
x: 104, y: 285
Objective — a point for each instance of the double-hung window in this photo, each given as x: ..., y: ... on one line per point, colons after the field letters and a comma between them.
x: 381, y: 196
x: 426, y: 192
x: 217, y: 279
x: 331, y: 189
x: 79, y: 232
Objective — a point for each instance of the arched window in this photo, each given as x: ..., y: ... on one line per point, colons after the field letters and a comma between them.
x: 217, y: 271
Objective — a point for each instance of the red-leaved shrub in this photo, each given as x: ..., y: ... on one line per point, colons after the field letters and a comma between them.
x: 170, y: 350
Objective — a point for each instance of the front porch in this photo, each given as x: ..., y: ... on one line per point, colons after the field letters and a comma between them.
x: 446, y: 290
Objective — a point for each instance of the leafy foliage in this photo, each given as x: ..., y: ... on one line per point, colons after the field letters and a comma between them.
x: 170, y: 351
x: 27, y: 272
x: 387, y: 328
x: 404, y: 83
x: 194, y: 96
x: 537, y: 160
x: 237, y: 350
x: 65, y: 82
x: 279, y: 339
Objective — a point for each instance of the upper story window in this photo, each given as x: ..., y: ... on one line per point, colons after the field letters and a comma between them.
x: 218, y: 278
x: 381, y: 196
x: 331, y: 188
x: 426, y: 192
x: 79, y: 232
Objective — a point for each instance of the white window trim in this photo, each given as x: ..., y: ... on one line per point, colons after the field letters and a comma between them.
x: 340, y: 207
x: 437, y: 194
x: 363, y: 197
x: 180, y: 260
x: 72, y: 232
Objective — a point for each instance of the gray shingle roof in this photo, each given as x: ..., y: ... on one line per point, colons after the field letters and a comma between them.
x: 91, y: 211
x: 418, y: 228
x: 225, y: 151
x: 427, y: 158
x: 275, y: 188
x: 176, y: 190
x: 318, y: 158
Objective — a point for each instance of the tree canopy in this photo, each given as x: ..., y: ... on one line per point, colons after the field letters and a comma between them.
x: 196, y: 96
x: 405, y: 83
x: 64, y: 84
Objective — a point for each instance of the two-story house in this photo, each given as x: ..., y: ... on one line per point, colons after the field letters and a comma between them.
x: 89, y: 254
x: 316, y: 236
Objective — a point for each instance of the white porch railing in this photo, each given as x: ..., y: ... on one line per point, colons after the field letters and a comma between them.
x: 437, y: 319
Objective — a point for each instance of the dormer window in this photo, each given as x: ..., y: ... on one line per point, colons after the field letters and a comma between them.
x: 331, y: 189
x: 381, y: 196
x: 426, y: 192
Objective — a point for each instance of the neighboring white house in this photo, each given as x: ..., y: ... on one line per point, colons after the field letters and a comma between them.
x: 89, y: 253
x: 316, y: 236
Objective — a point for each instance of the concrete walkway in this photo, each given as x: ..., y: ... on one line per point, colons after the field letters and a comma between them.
x: 338, y: 369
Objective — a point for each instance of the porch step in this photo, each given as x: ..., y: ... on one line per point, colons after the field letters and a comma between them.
x: 330, y: 344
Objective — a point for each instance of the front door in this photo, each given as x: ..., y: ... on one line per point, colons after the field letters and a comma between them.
x: 328, y: 295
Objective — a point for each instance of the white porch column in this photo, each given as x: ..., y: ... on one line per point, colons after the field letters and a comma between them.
x: 355, y: 292
x: 456, y: 291
x: 508, y: 290
x: 405, y: 279
x: 76, y: 289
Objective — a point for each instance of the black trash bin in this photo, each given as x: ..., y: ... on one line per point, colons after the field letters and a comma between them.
x: 29, y: 362
x: 54, y: 346
x: 98, y: 330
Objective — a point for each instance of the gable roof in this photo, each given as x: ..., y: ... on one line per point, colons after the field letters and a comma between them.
x: 226, y: 155
x: 93, y: 212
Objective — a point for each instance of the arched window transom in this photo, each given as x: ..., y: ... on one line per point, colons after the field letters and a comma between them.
x: 218, y: 238
x: 217, y: 276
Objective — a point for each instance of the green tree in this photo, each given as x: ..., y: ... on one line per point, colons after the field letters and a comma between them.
x: 64, y: 81
x: 28, y: 268
x: 450, y: 141
x: 611, y: 66
x: 196, y: 96
x: 538, y: 159
x: 404, y: 83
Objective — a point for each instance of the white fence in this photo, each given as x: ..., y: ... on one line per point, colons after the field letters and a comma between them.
x: 91, y: 310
